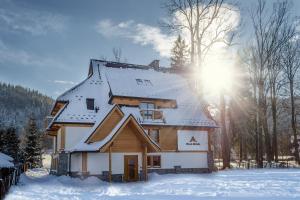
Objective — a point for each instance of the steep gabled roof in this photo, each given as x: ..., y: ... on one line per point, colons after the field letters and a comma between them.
x: 106, y: 79
x: 115, y: 108
x: 103, y: 144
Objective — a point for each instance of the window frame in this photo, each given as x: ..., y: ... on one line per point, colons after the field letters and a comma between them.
x: 150, y: 165
x: 88, y: 106
x: 148, y: 110
x: 139, y: 81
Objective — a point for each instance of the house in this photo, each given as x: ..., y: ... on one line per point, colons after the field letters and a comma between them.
x: 125, y: 121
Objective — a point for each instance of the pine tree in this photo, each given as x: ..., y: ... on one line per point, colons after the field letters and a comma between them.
x: 179, y: 54
x: 2, y: 132
x: 11, y: 143
x: 32, y: 150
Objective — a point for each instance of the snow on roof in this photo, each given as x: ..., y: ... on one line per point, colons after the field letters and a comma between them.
x: 95, y: 146
x: 76, y: 110
x: 183, y: 115
x: 99, y: 120
x: 133, y: 82
x: 145, y: 83
x: 5, y: 160
x: 82, y: 146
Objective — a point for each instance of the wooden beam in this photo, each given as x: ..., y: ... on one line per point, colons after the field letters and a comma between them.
x: 63, y: 138
x: 109, y: 164
x: 145, y: 163
x: 84, y: 162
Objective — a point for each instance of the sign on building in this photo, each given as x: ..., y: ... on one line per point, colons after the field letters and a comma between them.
x: 192, y: 140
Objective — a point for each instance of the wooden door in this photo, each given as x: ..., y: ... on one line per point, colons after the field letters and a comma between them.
x: 131, y: 167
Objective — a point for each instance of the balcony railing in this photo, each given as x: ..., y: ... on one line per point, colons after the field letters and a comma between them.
x: 152, y: 115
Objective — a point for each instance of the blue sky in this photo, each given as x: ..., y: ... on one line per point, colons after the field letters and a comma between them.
x: 46, y: 45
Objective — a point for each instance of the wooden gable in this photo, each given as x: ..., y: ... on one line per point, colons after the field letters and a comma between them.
x: 107, y: 125
x: 130, y: 137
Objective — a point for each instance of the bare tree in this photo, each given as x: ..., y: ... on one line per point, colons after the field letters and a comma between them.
x: 291, y: 60
x: 271, y: 32
x: 205, y: 21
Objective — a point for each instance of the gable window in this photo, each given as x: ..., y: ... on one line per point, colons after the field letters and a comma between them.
x: 139, y: 81
x: 153, y: 161
x: 90, y: 104
x: 154, y: 135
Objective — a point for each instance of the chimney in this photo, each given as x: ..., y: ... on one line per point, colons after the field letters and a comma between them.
x: 154, y: 64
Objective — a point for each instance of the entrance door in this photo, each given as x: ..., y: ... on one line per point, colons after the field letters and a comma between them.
x: 131, y: 167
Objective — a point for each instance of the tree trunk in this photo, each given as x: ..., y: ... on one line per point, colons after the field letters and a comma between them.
x: 260, y: 124
x: 274, y: 118
x: 268, y: 147
x: 225, y: 141
x: 192, y: 49
x: 293, y: 122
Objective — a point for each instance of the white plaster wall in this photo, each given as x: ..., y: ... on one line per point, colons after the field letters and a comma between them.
x: 184, y: 137
x: 76, y: 162
x: 183, y: 159
x: 74, y: 135
x: 98, y: 162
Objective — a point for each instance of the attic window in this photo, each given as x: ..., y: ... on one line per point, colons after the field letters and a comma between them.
x: 148, y: 82
x: 90, y: 104
x: 144, y: 82
x: 139, y: 81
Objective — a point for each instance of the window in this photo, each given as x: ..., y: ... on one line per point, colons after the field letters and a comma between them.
x: 154, y: 135
x: 153, y: 161
x: 148, y: 110
x: 144, y: 82
x: 156, y: 161
x: 139, y: 81
x: 149, y: 161
x: 147, y: 82
x: 90, y: 104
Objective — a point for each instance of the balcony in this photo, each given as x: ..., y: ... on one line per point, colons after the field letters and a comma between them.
x: 152, y: 115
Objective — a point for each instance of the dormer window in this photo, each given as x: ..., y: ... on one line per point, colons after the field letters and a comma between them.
x: 90, y: 104
x: 139, y: 81
x: 147, y: 82
x: 144, y: 82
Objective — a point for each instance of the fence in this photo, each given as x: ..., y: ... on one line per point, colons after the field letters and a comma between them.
x: 9, y: 177
x: 251, y: 164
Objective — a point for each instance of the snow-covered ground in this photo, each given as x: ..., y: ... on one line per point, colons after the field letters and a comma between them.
x: 266, y: 184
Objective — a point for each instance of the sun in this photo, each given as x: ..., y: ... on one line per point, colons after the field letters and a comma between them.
x: 216, y: 76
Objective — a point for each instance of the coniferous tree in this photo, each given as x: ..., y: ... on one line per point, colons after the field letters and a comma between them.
x: 12, y: 143
x: 179, y: 54
x: 32, y: 150
x: 2, y: 139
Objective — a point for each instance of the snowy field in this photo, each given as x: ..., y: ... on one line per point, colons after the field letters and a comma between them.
x: 278, y: 184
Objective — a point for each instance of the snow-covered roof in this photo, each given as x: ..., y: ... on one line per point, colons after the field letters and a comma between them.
x: 132, y: 81
x: 145, y: 83
x: 5, y: 160
x: 95, y: 146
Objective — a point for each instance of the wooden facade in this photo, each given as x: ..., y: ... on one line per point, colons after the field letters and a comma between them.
x: 130, y: 101
x: 110, y: 121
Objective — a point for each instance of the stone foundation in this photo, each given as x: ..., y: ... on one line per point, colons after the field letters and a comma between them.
x: 63, y: 163
x: 179, y: 170
x: 210, y: 161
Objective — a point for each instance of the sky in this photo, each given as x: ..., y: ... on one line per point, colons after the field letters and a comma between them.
x: 46, y: 45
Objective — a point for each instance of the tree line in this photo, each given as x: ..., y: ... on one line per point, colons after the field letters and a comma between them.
x: 259, y: 119
x: 25, y: 149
